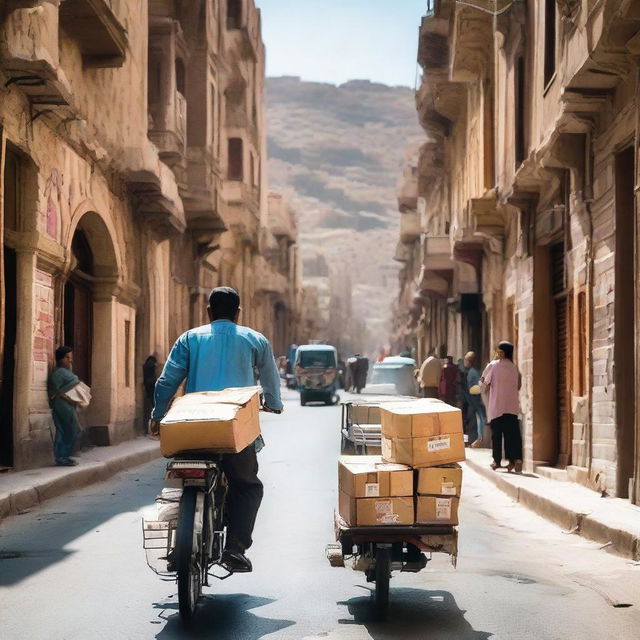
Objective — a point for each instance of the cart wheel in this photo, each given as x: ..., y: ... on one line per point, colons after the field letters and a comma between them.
x: 383, y: 574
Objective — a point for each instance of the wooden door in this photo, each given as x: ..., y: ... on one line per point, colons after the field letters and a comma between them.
x: 562, y: 349
x: 9, y: 305
x: 77, y: 326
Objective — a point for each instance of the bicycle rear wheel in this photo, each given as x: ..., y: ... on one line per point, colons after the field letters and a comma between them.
x: 187, y: 555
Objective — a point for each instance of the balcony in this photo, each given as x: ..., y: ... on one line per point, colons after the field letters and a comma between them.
x: 472, y: 41
x: 433, y: 48
x: 408, y: 190
x: 154, y: 190
x: 201, y: 195
x: 29, y: 53
x: 100, y: 35
x: 434, y: 282
x: 169, y: 129
x: 486, y: 217
x: 436, y: 252
x: 242, y: 210
x: 243, y: 25
x: 409, y: 227
x: 268, y: 280
x: 282, y: 221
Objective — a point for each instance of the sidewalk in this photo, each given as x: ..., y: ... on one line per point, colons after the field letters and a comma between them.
x: 613, y: 522
x: 23, y: 490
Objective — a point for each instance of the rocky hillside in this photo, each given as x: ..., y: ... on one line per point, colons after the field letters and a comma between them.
x: 338, y: 153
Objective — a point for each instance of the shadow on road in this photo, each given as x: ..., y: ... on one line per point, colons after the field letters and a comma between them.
x: 51, y: 530
x: 414, y: 613
x: 220, y: 616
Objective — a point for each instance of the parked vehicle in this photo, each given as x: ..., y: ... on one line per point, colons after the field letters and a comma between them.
x: 394, y: 375
x: 316, y: 371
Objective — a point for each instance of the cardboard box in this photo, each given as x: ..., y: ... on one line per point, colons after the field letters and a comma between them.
x: 359, y: 512
x: 371, y: 477
x: 364, y: 414
x: 440, y: 481
x: 419, y: 419
x: 437, y: 510
x: 424, y: 452
x: 221, y: 421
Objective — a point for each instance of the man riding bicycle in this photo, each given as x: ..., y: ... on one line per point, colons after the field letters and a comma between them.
x: 213, y: 357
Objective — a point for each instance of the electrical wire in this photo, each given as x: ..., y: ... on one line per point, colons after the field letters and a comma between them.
x: 489, y: 11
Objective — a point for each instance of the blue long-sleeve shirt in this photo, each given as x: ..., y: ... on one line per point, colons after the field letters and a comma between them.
x: 217, y: 356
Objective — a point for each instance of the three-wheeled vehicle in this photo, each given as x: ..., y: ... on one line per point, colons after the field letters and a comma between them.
x: 316, y: 371
x: 379, y: 550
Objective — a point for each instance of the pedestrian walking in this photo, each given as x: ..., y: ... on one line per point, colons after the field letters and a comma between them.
x: 449, y: 382
x: 428, y: 376
x: 476, y: 416
x: 501, y: 381
x: 63, y: 408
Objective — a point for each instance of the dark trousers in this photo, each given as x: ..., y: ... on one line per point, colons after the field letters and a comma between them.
x: 243, y: 498
x: 506, y: 425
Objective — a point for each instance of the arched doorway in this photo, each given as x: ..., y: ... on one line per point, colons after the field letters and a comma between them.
x: 78, y: 305
x: 91, y: 323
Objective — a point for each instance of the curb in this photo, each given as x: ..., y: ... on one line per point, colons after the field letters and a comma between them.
x: 591, y: 525
x: 82, y: 476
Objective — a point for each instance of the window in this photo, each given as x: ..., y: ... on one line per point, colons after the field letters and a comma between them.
x: 127, y: 353
x: 11, y: 190
x: 235, y: 168
x: 234, y: 14
x: 519, y: 111
x: 213, y: 115
x: 581, y: 360
x: 549, y: 41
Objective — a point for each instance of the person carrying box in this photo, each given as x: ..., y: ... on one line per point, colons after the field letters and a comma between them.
x: 214, y: 357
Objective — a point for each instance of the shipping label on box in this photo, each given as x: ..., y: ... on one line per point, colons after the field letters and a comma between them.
x: 437, y: 510
x: 220, y: 421
x: 370, y: 476
x: 419, y: 418
x: 376, y: 511
x: 440, y: 481
x: 424, y: 452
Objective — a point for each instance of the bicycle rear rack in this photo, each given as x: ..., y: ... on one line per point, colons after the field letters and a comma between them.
x: 157, y: 538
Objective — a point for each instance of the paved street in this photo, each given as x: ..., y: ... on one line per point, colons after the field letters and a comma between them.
x: 77, y: 560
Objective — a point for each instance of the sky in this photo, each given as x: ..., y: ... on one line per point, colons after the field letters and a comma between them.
x: 339, y: 40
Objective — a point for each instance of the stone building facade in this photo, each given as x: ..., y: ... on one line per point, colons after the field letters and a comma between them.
x: 132, y: 181
x: 528, y: 229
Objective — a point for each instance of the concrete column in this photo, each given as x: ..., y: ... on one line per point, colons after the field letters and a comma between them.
x: 24, y: 451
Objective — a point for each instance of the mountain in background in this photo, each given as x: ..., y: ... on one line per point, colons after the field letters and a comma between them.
x: 337, y: 152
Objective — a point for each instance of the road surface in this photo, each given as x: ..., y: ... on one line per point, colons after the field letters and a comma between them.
x: 74, y: 569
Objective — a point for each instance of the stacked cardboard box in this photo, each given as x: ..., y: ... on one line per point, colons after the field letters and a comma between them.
x: 438, y: 494
x: 417, y: 478
x: 422, y: 433
x: 374, y: 492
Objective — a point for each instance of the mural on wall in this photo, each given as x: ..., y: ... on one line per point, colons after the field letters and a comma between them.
x: 43, y: 335
x: 49, y: 222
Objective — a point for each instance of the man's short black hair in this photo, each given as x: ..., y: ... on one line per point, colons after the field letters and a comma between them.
x: 61, y: 352
x: 224, y: 303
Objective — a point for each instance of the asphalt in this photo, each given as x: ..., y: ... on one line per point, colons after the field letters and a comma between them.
x: 73, y: 568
